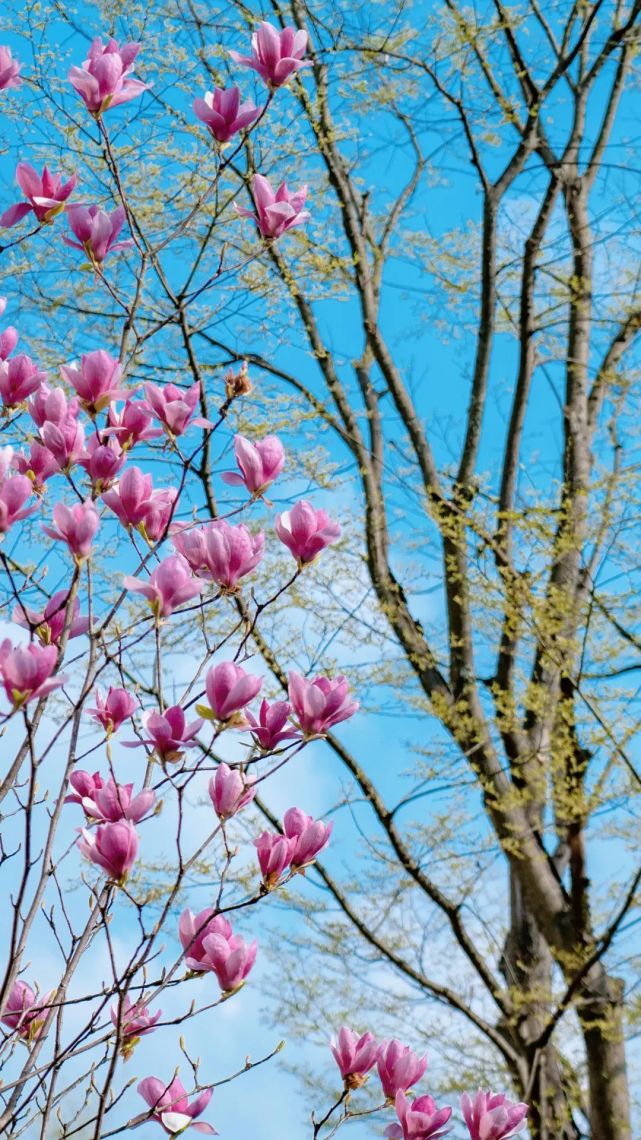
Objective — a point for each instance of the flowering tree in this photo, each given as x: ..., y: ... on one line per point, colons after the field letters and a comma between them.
x: 140, y: 564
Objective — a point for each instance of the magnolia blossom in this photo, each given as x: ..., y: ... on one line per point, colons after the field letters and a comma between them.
x: 113, y: 801
x: 306, y: 531
x: 133, y: 1020
x: 224, y: 114
x: 274, y: 854
x: 174, y: 407
x: 311, y: 836
x: 113, y: 847
x: 276, y: 211
x: 136, y: 504
x: 84, y: 785
x: 219, y: 552
x: 171, y: 1107
x: 97, y: 381
x: 24, y: 1011
x: 260, y: 463
x: 168, y: 587
x: 14, y: 493
x: 19, y: 377
x: 8, y: 341
x: 65, y: 441
x: 355, y: 1055
x: 131, y: 424
x: 104, y: 80
x: 276, y: 53
x: 48, y: 624
x: 116, y: 708
x: 229, y: 688
x: 420, y: 1120
x: 192, y: 931
x: 38, y: 466
x: 319, y: 704
x: 76, y: 526
x: 96, y: 230
x: 27, y: 672
x: 50, y: 405
x: 9, y: 69
x: 272, y: 727
x: 230, y: 959
x: 46, y: 194
x: 102, y: 461
x: 491, y: 1116
x: 230, y: 791
x: 398, y: 1067
x: 168, y: 733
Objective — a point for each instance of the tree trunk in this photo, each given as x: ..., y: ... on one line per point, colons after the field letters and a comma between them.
x: 527, y: 968
x: 601, y: 1015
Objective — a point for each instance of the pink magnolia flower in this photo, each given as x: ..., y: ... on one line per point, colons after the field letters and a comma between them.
x: 25, y: 1011
x: 274, y: 856
x: 230, y: 959
x: 27, y: 672
x: 65, y: 441
x: 134, y: 1020
x: 398, y: 1067
x: 116, y: 708
x: 19, y: 377
x: 276, y: 53
x: 113, y: 846
x: 84, y: 785
x: 276, y: 212
x: 229, y: 688
x: 8, y: 341
x: 131, y: 424
x: 174, y: 407
x: 96, y: 381
x: 102, y: 461
x: 14, y: 493
x: 354, y: 1055
x: 420, y: 1120
x: 111, y: 802
x: 230, y: 791
x: 76, y: 526
x: 319, y: 704
x: 192, y: 931
x: 306, y: 532
x: 48, y: 624
x: 221, y: 553
x: 168, y: 733
x: 104, y: 80
x: 168, y: 587
x: 50, y: 405
x: 9, y: 69
x: 224, y: 114
x: 491, y: 1116
x: 171, y: 1107
x: 260, y: 463
x: 38, y: 466
x: 96, y: 230
x: 312, y: 836
x: 130, y: 499
x: 271, y: 727
x: 158, y: 515
x: 46, y: 194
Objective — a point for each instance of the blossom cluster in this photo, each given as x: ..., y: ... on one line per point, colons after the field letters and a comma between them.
x: 78, y: 436
x: 488, y: 1115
